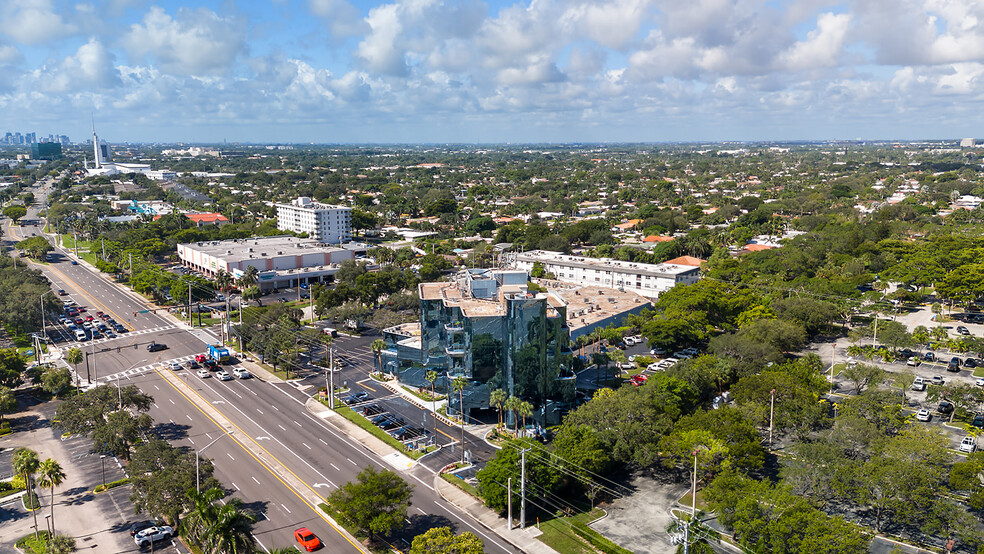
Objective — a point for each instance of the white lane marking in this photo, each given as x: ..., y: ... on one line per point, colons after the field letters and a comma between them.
x: 172, y: 400
x: 306, y: 446
x: 323, y: 442
x: 259, y: 410
x: 298, y: 424
x: 156, y: 387
x: 191, y: 441
x: 351, y: 462
x: 230, y: 456
x: 235, y: 486
x: 189, y: 417
x: 274, y: 407
x: 334, y: 466
x: 254, y: 480
x: 285, y: 508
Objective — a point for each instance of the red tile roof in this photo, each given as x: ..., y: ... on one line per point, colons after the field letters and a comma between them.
x: 206, y: 218
x: 686, y: 260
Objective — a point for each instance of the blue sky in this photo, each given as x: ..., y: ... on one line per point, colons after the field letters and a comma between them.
x: 473, y: 71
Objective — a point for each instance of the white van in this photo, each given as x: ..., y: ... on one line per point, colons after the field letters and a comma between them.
x: 81, y: 336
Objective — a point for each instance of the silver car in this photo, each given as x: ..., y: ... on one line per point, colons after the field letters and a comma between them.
x: 223, y: 375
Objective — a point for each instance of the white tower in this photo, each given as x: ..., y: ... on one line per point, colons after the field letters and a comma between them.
x: 95, y: 146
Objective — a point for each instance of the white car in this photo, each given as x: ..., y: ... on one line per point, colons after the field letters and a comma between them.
x: 652, y: 367
x: 204, y: 373
x: 924, y: 415
x: 626, y: 365
x: 979, y: 382
x: 174, y: 366
x: 968, y: 444
x: 657, y: 351
x: 632, y: 358
x: 152, y: 535
x: 241, y: 373
x: 630, y: 341
x: 223, y: 375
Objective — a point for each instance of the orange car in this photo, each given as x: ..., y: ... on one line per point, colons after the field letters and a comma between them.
x: 307, y: 539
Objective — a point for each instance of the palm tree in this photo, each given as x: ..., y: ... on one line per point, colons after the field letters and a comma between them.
x: 7, y: 401
x: 51, y: 475
x: 525, y: 410
x: 511, y: 405
x: 700, y: 535
x: 232, y: 531
x: 202, y: 514
x: 377, y: 348
x: 459, y: 384
x: 60, y: 544
x: 430, y: 377
x: 250, y: 277
x: 74, y: 357
x: 498, y: 398
x: 25, y: 462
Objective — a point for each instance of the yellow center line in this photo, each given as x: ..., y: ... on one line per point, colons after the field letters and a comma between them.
x: 316, y: 510
x: 81, y: 291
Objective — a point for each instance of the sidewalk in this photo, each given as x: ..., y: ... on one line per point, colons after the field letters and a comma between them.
x: 523, y: 539
x: 361, y: 436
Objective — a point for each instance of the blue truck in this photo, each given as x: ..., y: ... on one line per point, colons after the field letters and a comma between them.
x: 218, y: 353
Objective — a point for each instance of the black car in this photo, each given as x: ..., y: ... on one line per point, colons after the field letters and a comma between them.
x: 978, y: 421
x: 356, y: 397
x: 392, y: 423
x: 192, y: 364
x: 970, y: 363
x: 156, y: 347
x: 140, y: 526
x: 210, y: 365
x: 119, y: 328
x: 944, y: 408
x: 954, y: 364
x: 407, y: 433
x: 61, y: 292
x: 372, y: 410
x: 379, y: 419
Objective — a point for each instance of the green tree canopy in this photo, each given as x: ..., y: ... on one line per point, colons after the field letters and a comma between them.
x: 376, y: 503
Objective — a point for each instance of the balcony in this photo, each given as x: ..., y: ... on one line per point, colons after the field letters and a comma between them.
x: 455, y: 350
x: 454, y: 327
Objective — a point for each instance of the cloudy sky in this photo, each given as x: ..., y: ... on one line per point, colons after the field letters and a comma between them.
x: 492, y: 71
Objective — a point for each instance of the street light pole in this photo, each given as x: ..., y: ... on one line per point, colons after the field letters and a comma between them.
x: 772, y: 410
x: 119, y: 389
x: 198, y: 484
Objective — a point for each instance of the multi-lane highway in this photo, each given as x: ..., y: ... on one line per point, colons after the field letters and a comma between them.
x: 277, y: 457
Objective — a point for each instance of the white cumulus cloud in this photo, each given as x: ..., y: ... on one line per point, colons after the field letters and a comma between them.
x: 196, y: 42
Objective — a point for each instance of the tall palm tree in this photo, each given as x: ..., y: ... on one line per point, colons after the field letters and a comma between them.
x: 202, y: 514
x: 431, y: 377
x: 50, y: 475
x: 377, y: 348
x: 74, y: 357
x: 7, y: 401
x: 459, y: 384
x: 525, y: 411
x: 250, y: 277
x: 700, y: 535
x: 512, y: 404
x: 498, y: 398
x: 25, y: 462
x: 232, y: 532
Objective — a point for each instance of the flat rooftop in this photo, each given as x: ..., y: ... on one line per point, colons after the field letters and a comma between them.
x: 656, y: 270
x: 587, y: 305
x: 261, y: 247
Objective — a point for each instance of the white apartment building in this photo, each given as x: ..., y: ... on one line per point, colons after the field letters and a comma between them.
x: 649, y: 280
x: 323, y: 223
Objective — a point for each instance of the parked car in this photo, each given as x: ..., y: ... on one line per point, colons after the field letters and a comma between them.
x: 356, y: 397
x: 223, y: 375
x: 937, y: 380
x: 371, y: 410
x: 929, y: 356
x: 140, y: 526
x: 379, y: 419
x: 954, y: 365
x: 962, y: 330
x: 945, y: 408
x: 630, y: 341
x: 152, y: 535
x: 968, y: 444
x: 978, y: 421
x: 970, y: 363
x: 307, y: 539
x: 638, y: 380
x: 657, y: 351
x: 913, y: 361
x: 924, y: 415
x: 61, y: 292
x: 392, y: 423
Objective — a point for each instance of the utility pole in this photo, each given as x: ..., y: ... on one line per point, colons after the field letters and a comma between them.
x: 331, y: 377
x: 772, y: 411
x: 88, y: 376
x: 191, y: 318
x: 509, y: 502
x: 522, y: 489
x: 103, y: 241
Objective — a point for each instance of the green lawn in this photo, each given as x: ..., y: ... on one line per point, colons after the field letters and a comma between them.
x: 686, y: 499
x: 571, y: 535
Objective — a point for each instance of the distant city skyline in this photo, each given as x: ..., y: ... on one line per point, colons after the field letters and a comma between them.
x: 467, y: 71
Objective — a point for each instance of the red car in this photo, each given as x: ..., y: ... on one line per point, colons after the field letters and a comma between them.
x: 638, y: 380
x: 307, y: 539
x: 81, y: 308
x: 80, y: 321
x: 89, y: 318
x: 200, y: 358
x: 99, y: 314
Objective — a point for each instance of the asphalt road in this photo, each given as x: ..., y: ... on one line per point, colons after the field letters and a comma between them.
x: 271, y: 415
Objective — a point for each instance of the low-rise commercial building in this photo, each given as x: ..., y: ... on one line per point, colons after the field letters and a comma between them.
x: 649, y: 280
x: 282, y: 261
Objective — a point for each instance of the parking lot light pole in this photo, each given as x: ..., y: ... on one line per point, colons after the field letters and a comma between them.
x: 198, y: 484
